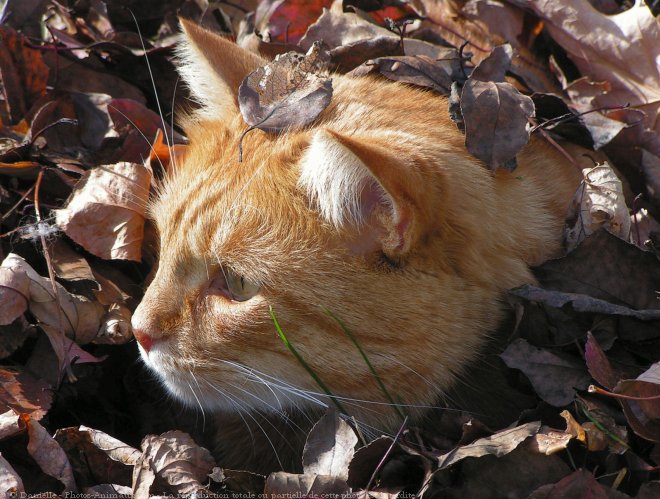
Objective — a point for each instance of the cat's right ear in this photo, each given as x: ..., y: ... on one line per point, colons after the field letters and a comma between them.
x: 213, y: 68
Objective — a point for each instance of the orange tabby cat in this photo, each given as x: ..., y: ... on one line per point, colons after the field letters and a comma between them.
x: 376, y: 213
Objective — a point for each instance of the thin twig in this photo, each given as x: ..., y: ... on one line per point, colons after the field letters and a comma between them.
x: 51, y: 274
x: 382, y: 460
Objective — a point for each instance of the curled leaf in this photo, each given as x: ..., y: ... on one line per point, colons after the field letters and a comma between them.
x: 48, y: 454
x: 289, y: 92
x: 598, y: 202
x: 80, y: 317
x: 499, y: 444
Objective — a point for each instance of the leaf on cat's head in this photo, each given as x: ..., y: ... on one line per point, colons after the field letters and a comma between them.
x: 289, y: 92
x: 496, y: 119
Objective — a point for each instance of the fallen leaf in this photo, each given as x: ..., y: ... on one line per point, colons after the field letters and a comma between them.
x: 599, y: 202
x: 622, y: 49
x: 138, y: 126
x: 595, y: 268
x: 48, y: 454
x: 499, y: 444
x: 80, y: 316
x: 14, y: 292
x: 115, y: 449
x: 580, y: 483
x: 97, y: 455
x: 10, y: 424
x: 597, y: 363
x: 106, y: 212
x: 282, y: 484
x: 396, y: 467
x: 12, y: 336
x: 286, y: 21
x: 553, y: 376
x: 10, y: 482
x: 419, y: 70
x: 643, y: 414
x: 352, y: 40
x: 515, y: 474
x: 24, y: 75
x: 496, y: 121
x: 548, y: 441
x: 583, y: 93
x: 289, y: 92
x: 175, y: 458
x: 24, y: 393
x: 494, y: 67
x: 573, y: 428
x: 581, y: 303
x: 329, y: 447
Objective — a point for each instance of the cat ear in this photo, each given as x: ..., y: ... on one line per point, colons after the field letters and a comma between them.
x: 356, y: 181
x: 213, y: 68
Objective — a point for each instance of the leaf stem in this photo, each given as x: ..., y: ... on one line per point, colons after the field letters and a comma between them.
x: 600, y: 391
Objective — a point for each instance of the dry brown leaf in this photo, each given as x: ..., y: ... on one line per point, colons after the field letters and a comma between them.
x: 622, y: 49
x: 176, y: 459
x: 548, y: 441
x: 417, y: 70
x: 330, y: 447
x: 282, y: 484
x: 23, y: 74
x: 48, y: 454
x: 14, y: 292
x: 573, y: 427
x: 106, y: 212
x: 10, y: 482
x: 115, y: 449
x: 598, y: 202
x: 289, y: 92
x: 499, y: 444
x: 10, y: 424
x: 24, y: 393
x: 553, y: 376
x: 80, y: 316
x: 352, y: 39
x: 496, y: 121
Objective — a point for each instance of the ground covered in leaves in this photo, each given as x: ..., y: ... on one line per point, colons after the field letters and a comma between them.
x: 84, y: 86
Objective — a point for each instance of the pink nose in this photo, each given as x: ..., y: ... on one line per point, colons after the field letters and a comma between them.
x: 143, y: 339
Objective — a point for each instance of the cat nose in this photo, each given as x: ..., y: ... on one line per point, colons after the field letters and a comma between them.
x: 143, y: 338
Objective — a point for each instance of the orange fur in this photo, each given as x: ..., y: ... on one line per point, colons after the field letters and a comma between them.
x: 418, y: 278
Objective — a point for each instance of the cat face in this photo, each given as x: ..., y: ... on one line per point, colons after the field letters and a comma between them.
x: 370, y: 221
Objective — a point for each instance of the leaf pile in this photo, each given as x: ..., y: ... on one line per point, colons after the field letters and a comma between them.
x: 571, y: 408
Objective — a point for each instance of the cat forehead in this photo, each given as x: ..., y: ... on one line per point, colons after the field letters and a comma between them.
x: 212, y: 200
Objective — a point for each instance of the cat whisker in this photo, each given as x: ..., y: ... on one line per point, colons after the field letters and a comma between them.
x: 153, y: 84
x: 239, y: 409
x: 197, y: 398
x: 248, y: 414
x: 149, y: 142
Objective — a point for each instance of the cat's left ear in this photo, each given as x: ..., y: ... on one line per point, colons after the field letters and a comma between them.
x: 363, y: 182
x: 213, y: 68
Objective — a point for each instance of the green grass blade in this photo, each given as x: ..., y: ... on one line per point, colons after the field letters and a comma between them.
x: 299, y: 358
x: 378, y: 379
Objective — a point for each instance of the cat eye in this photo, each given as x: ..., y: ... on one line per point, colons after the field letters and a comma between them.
x: 237, y: 286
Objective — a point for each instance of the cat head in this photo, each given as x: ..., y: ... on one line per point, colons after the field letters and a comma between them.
x: 339, y: 230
